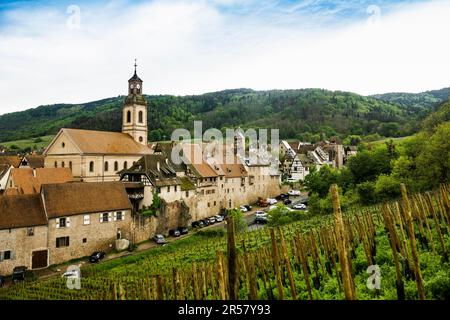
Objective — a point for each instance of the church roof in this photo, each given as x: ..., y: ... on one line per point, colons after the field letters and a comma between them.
x: 103, y: 142
x: 135, y: 78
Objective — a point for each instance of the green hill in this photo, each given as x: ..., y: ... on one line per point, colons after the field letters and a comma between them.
x: 294, y: 112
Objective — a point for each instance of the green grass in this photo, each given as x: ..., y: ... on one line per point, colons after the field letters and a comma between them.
x: 25, y: 143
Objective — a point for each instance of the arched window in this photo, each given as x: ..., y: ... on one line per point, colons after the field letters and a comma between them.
x: 141, y: 139
x: 70, y: 165
x: 63, y: 164
x: 141, y: 117
x: 106, y: 166
x: 128, y: 116
x: 56, y: 164
x: 116, y: 166
x: 125, y: 165
x: 91, y: 166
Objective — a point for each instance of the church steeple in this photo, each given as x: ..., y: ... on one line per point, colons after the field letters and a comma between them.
x: 135, y: 110
x: 135, y: 83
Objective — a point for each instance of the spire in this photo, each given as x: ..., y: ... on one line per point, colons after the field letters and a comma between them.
x: 135, y: 66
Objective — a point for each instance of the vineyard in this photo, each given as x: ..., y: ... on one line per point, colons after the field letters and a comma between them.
x: 324, y: 257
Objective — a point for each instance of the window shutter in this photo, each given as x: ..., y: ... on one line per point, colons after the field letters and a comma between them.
x: 115, y: 216
x: 1, y: 256
x: 123, y: 215
x: 13, y: 255
x: 57, y: 223
x: 101, y: 218
x: 109, y: 216
x: 68, y: 222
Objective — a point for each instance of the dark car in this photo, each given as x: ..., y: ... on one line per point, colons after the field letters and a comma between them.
x: 282, y: 196
x: 183, y: 230
x: 205, y: 222
x: 2, y: 281
x: 197, y: 224
x: 174, y: 233
x: 287, y: 201
x: 159, y: 239
x: 96, y: 256
x: 19, y: 274
x: 248, y: 207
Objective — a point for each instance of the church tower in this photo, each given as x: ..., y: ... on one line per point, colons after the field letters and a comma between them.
x: 135, y: 111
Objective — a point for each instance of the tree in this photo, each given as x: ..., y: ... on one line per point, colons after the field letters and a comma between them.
x: 387, y: 187
x: 240, y: 223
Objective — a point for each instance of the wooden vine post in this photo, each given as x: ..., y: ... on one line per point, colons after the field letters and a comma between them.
x: 349, y: 289
x: 276, y: 262
x: 232, y: 259
x: 412, y: 240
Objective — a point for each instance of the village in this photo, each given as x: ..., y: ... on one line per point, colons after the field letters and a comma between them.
x: 97, y: 191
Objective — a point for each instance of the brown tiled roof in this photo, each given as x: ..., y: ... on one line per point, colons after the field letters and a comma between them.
x: 35, y: 161
x: 84, y: 197
x: 11, y: 160
x: 103, y: 142
x: 21, y: 211
x: 193, y: 151
x: 294, y: 145
x: 28, y: 183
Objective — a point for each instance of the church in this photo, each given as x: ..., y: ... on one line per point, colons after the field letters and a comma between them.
x: 95, y: 156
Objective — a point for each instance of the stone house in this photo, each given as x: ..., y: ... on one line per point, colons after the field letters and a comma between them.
x: 85, y: 217
x: 23, y: 233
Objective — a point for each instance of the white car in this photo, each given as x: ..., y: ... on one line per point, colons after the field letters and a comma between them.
x: 260, y: 214
x: 294, y: 192
x: 243, y: 209
x: 272, y: 207
x: 271, y: 201
x: 299, y: 206
x: 218, y: 218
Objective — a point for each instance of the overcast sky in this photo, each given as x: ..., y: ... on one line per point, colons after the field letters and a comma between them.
x: 78, y: 51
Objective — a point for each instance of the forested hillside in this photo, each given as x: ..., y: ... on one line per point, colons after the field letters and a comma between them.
x: 297, y: 113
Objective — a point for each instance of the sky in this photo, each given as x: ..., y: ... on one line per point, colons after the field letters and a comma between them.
x: 77, y: 51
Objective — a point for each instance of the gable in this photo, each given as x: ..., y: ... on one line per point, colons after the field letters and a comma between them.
x: 62, y: 144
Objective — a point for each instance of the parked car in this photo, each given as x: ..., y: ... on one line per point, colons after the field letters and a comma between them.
x: 219, y: 218
x: 71, y: 274
x: 299, y: 206
x: 243, y: 208
x: 19, y: 274
x: 294, y: 192
x: 205, y: 222
x: 287, y: 202
x: 159, y: 239
x: 212, y: 220
x: 2, y: 281
x: 183, y: 230
x: 248, y: 207
x: 174, y: 233
x: 290, y: 180
x: 261, y: 217
x: 96, y: 256
x: 271, y: 201
x: 195, y: 224
x: 262, y: 202
x: 282, y: 196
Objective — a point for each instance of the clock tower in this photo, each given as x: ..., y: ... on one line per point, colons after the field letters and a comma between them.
x: 135, y: 111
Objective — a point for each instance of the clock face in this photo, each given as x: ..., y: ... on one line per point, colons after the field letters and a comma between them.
x: 138, y: 86
x: 132, y: 86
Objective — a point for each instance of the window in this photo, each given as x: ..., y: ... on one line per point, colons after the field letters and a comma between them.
x: 168, y: 189
x: 141, y: 139
x: 187, y: 193
x: 63, y: 164
x: 86, y: 219
x: 105, y: 217
x: 116, y: 166
x: 106, y: 166
x: 62, y: 242
x: 128, y: 116
x: 175, y: 187
x: 141, y: 117
x: 158, y: 190
x: 119, y: 215
x: 125, y: 165
x: 91, y: 166
x: 209, y: 204
x: 56, y: 164
x: 7, y: 255
x: 70, y: 165
x: 214, y: 203
x: 61, y: 223
x: 84, y: 240
x: 30, y: 232
x: 63, y: 144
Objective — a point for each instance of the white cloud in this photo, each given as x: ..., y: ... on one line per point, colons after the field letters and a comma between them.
x: 188, y: 47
